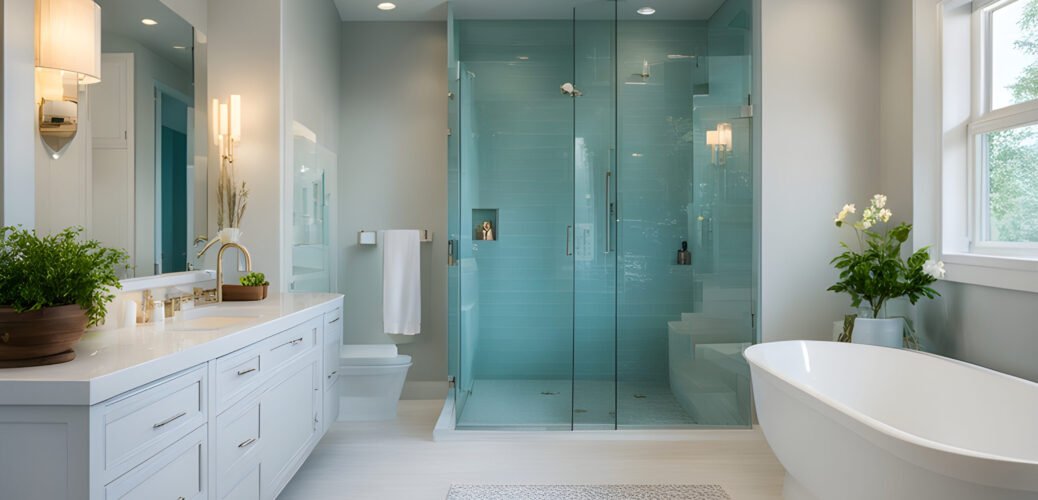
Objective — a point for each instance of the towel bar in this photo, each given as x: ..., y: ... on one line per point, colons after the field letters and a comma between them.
x: 365, y: 237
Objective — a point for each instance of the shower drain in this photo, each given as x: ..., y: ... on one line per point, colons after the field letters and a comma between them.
x: 640, y: 396
x: 549, y: 393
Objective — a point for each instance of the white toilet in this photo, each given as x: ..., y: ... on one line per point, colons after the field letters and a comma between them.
x: 371, y: 379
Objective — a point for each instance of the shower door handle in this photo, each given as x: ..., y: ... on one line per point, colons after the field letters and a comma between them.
x: 608, y: 213
x: 569, y: 229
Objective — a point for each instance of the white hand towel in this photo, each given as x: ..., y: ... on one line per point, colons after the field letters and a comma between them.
x: 401, y: 282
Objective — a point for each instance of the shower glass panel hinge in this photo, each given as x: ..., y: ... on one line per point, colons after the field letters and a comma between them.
x: 450, y: 381
x: 449, y: 132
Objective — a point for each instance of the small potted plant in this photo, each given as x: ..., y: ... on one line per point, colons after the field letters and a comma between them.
x: 253, y: 287
x: 875, y: 273
x: 52, y: 288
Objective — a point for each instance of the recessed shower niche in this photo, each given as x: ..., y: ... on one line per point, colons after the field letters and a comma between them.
x: 485, y: 227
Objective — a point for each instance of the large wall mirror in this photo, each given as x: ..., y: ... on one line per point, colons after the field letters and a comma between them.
x: 135, y: 176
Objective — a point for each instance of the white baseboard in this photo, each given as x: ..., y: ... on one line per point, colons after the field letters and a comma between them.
x: 424, y: 389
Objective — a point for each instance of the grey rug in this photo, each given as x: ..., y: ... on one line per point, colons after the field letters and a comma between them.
x: 587, y: 492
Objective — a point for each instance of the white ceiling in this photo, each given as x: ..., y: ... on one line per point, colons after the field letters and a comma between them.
x: 123, y: 17
x: 436, y: 10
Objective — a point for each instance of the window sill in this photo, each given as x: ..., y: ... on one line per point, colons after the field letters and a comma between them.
x: 1011, y: 273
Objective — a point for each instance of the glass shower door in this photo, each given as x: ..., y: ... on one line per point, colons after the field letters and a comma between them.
x: 515, y: 185
x: 594, y: 198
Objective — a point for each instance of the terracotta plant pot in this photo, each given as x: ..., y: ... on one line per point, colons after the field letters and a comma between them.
x: 43, y: 337
x: 238, y: 293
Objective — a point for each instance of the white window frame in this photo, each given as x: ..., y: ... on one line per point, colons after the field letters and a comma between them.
x: 950, y: 113
x: 983, y: 121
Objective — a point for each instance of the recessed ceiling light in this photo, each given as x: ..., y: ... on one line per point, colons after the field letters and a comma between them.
x: 386, y: 6
x: 646, y: 11
x: 149, y: 22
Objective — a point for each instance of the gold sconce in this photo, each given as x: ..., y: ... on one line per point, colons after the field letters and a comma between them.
x: 720, y: 143
x: 227, y: 126
x: 231, y: 194
x: 68, y: 54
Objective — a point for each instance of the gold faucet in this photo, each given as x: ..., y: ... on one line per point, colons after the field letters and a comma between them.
x: 219, y: 266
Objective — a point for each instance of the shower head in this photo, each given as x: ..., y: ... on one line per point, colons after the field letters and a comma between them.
x: 568, y: 89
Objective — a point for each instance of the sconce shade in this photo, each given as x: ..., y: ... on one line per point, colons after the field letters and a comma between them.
x: 68, y: 37
x: 712, y: 138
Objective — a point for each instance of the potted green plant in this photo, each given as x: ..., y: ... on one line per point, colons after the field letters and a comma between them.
x: 253, y: 287
x: 876, y: 273
x: 52, y: 288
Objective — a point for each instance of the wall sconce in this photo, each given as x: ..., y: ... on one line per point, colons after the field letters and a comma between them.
x: 227, y: 126
x: 68, y: 54
x: 720, y: 143
x: 230, y: 194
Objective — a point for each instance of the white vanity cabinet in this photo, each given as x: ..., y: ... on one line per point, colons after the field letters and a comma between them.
x: 237, y: 425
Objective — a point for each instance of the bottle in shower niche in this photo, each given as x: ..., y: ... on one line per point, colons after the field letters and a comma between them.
x: 684, y: 256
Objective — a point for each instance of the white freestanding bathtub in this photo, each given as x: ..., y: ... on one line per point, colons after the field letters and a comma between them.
x: 853, y: 422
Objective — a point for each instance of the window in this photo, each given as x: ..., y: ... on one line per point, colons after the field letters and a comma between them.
x: 1003, y: 129
x: 975, y: 139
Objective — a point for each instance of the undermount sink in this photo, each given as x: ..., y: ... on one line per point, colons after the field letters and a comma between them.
x: 209, y: 318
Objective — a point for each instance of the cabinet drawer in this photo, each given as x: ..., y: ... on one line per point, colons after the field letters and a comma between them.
x: 290, y: 343
x: 140, y: 424
x: 237, y: 373
x: 332, y: 317
x: 237, y: 435
x: 176, y: 473
x: 332, y: 341
x: 331, y: 365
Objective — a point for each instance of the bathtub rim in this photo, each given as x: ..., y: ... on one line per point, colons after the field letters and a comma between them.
x: 872, y: 423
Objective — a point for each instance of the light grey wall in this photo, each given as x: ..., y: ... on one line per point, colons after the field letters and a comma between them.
x: 19, y: 113
x: 393, y: 175
x: 820, y: 149
x: 896, y: 106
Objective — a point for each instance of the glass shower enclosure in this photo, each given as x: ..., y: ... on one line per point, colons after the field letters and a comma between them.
x: 601, y: 216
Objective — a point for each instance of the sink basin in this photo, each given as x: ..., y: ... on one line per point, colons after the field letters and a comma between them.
x: 207, y: 323
x: 208, y: 318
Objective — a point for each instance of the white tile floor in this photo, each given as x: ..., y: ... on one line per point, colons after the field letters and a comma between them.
x: 399, y: 460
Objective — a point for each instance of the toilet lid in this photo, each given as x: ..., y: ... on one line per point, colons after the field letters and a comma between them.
x: 398, y: 360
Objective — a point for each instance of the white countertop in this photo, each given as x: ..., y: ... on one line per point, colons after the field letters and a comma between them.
x: 111, y: 362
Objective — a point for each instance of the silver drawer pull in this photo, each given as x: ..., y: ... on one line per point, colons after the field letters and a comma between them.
x: 168, y: 420
x: 290, y: 342
x: 332, y: 374
x: 245, y: 372
x: 247, y: 442
x: 336, y: 320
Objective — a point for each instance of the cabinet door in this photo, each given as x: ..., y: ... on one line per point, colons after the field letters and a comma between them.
x: 176, y: 472
x: 245, y: 487
x: 289, y: 421
x: 331, y: 404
